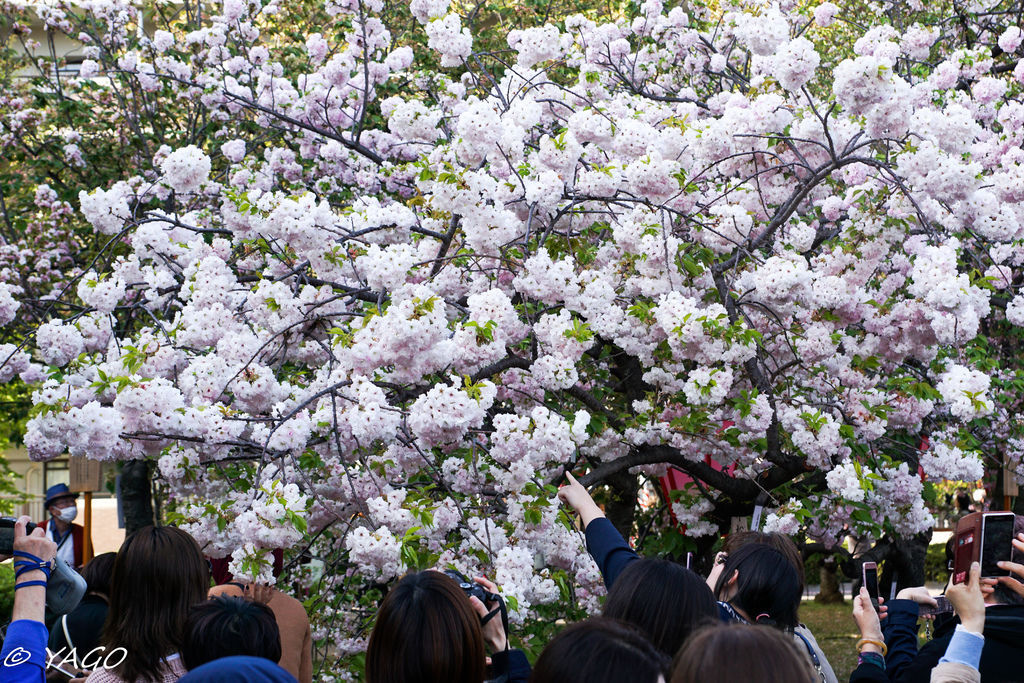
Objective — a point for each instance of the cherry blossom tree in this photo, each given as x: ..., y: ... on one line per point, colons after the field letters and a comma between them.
x: 367, y: 296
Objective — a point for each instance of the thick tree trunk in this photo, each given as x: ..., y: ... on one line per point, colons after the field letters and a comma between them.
x: 136, y: 495
x: 829, y: 593
x: 905, y: 564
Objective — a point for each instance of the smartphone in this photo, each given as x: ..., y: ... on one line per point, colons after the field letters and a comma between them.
x: 870, y: 575
x: 7, y: 534
x: 996, y: 543
x: 943, y: 607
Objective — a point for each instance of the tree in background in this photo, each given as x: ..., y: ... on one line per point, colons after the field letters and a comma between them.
x: 359, y: 282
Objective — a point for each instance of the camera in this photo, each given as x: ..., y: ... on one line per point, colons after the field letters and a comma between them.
x: 7, y: 534
x: 65, y: 587
x: 472, y: 588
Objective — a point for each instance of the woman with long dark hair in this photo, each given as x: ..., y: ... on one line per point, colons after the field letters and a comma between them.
x: 429, y: 631
x: 741, y: 652
x: 159, y: 574
x: 664, y: 599
x: 601, y: 650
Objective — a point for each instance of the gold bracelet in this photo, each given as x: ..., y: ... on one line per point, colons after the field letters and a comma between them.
x: 869, y: 641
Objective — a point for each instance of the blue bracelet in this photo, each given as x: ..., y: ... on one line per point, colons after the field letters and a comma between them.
x: 23, y: 584
x: 31, y: 564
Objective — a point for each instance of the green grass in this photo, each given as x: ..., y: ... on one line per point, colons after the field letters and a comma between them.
x: 833, y: 628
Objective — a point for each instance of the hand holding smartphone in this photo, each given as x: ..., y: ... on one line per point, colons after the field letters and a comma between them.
x: 869, y: 573
x: 985, y: 538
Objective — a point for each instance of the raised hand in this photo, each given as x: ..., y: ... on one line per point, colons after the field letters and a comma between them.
x: 575, y: 495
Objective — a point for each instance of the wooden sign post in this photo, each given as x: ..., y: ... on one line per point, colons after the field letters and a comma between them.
x: 85, y: 476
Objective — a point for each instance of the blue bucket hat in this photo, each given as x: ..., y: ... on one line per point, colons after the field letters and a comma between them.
x: 56, y: 492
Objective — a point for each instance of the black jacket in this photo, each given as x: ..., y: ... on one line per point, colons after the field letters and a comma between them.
x: 1002, y: 658
x: 85, y: 624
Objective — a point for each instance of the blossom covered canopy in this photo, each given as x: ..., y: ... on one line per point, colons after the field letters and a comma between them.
x: 392, y: 292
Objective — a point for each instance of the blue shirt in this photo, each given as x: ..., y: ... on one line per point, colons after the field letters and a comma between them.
x: 23, y: 658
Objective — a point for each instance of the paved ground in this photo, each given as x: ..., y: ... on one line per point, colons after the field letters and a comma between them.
x: 106, y: 537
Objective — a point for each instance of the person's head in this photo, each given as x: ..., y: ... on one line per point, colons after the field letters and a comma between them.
x: 731, y: 652
x: 227, y: 626
x: 97, y: 573
x: 60, y: 503
x: 426, y: 632
x: 665, y: 600
x: 159, y: 574
x: 600, y: 650
x: 733, y: 542
x: 760, y: 581
x: 1003, y: 595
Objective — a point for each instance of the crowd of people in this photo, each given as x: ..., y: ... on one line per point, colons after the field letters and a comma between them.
x: 150, y: 615
x: 151, y: 607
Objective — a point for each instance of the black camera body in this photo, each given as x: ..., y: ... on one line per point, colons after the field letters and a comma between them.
x: 472, y: 589
x: 7, y: 534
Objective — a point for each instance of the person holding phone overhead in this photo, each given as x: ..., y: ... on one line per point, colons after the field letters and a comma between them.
x: 1003, y: 649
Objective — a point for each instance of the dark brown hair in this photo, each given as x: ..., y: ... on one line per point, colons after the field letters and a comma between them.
x: 426, y: 632
x: 741, y: 652
x: 784, y: 544
x: 227, y: 626
x: 600, y: 650
x: 158, y: 575
x: 665, y: 600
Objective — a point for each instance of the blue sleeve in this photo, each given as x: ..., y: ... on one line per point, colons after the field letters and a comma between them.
x: 900, y: 631
x: 964, y: 648
x: 23, y: 658
x: 513, y: 663
x: 609, y: 549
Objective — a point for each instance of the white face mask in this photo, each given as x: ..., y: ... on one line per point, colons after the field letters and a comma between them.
x: 68, y: 514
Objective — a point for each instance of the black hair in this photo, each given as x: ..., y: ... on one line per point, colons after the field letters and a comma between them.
x: 664, y: 599
x: 600, y: 650
x: 97, y: 573
x: 767, y: 589
x: 227, y: 626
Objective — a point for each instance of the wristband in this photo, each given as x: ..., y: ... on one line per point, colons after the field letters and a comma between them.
x: 870, y: 641
x: 872, y: 658
x: 30, y: 564
x: 25, y: 584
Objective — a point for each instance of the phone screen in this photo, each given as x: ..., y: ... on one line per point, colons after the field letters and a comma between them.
x: 996, y: 543
x: 941, y: 607
x: 871, y: 584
